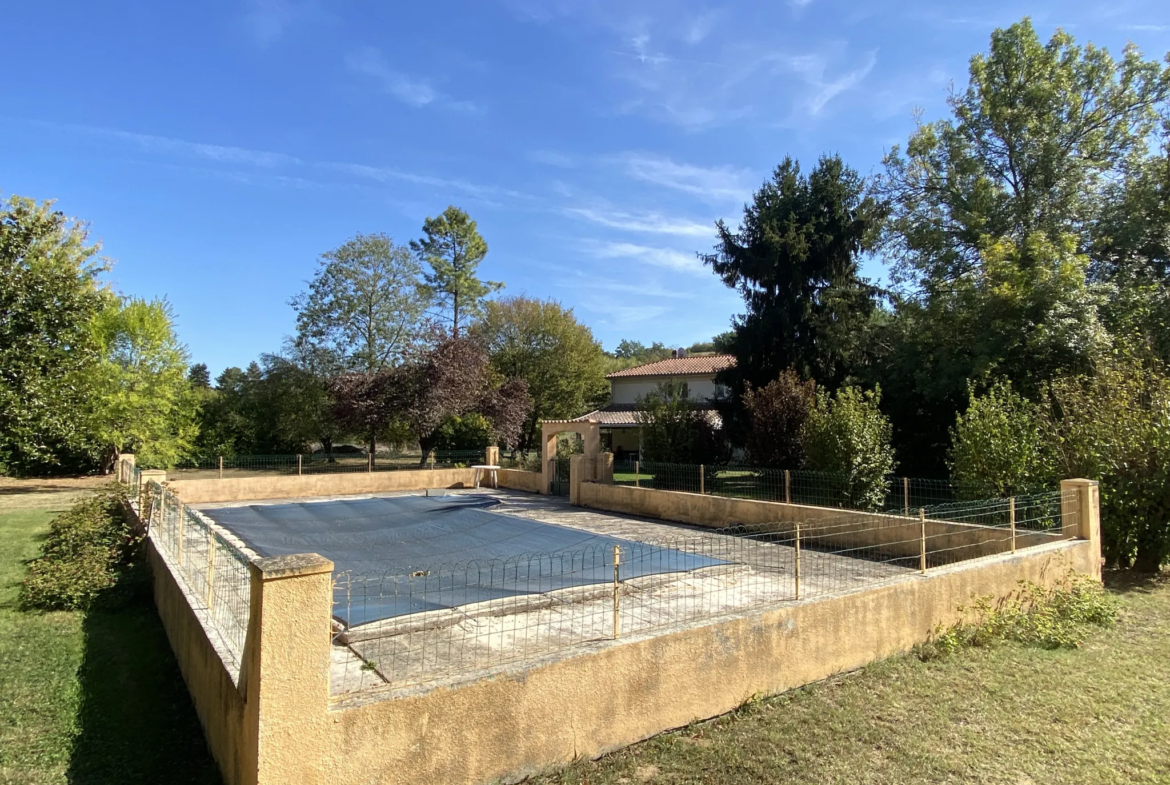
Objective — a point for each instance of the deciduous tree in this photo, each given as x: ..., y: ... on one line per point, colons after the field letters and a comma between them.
x: 49, y: 297
x: 542, y: 343
x: 365, y: 304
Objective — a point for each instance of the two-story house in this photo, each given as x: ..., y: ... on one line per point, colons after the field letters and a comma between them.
x: 620, y: 431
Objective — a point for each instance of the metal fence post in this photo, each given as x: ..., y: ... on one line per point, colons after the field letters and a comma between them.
x: 798, y: 560
x: 182, y: 526
x: 210, y: 570
x: 221, y: 467
x: 617, y: 559
x: 906, y: 494
x: 1012, y: 520
x: 637, y: 477
x: 702, y: 479
x: 787, y: 487
x: 299, y: 464
x: 922, y: 549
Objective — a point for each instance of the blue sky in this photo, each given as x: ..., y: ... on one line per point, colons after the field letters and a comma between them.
x: 218, y: 148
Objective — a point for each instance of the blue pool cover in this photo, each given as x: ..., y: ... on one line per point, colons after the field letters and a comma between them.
x: 399, y: 555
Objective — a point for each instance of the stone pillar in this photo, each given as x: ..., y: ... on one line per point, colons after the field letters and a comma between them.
x: 578, y: 466
x: 285, y: 671
x: 492, y: 456
x: 146, y: 477
x: 605, y: 468
x: 126, y: 462
x: 1081, y: 515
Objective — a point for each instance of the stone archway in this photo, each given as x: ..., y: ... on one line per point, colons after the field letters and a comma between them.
x: 590, y: 431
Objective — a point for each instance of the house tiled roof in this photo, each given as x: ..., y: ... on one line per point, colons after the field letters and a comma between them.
x: 624, y: 415
x: 678, y: 366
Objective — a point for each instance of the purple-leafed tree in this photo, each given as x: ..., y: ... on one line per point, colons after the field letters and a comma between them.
x: 450, y: 379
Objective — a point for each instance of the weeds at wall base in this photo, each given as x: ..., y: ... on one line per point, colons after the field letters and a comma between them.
x: 1055, y: 618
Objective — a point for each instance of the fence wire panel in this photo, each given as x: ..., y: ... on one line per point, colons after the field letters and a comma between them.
x: 450, y: 621
x: 214, y: 570
x: 234, y: 466
x: 818, y: 489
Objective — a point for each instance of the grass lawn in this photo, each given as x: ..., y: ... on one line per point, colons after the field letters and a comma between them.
x: 88, y: 698
x: 97, y: 698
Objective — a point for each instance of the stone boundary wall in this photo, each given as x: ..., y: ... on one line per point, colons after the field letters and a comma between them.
x: 830, y: 527
x: 517, y: 480
x: 288, y: 487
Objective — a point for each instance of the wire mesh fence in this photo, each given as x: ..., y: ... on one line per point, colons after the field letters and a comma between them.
x: 228, y: 466
x: 450, y: 621
x: 214, y: 570
x: 819, y: 489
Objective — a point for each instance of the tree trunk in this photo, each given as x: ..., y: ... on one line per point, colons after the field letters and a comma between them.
x: 327, y: 448
x: 426, y: 444
x: 1149, y: 557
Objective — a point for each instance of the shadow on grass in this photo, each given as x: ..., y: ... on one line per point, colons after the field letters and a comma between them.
x: 135, y: 720
x: 1128, y: 581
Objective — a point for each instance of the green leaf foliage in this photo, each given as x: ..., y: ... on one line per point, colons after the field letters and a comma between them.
x: 365, y: 304
x: 1000, y: 446
x: 140, y: 399
x: 88, y: 553
x: 542, y: 343
x: 847, y: 435
x: 453, y: 248
x: 676, y: 429
x: 794, y: 259
x: 49, y: 297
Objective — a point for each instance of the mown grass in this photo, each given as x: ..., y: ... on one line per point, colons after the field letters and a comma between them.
x: 88, y: 697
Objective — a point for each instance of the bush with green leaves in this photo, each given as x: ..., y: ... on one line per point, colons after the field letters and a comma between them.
x: 89, y: 551
x: 1050, y: 618
x: 1000, y: 446
x: 1114, y: 427
x: 847, y: 435
x: 676, y: 429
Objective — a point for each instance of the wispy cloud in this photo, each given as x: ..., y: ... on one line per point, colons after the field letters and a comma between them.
x: 407, y: 89
x: 268, y: 161
x: 625, y: 314
x: 214, y: 152
x: 644, y: 289
x: 1145, y: 28
x: 659, y: 257
x: 267, y: 20
x: 799, y: 3
x: 812, y: 69
x: 385, y: 174
x: 647, y: 223
x: 700, y: 27
x: 710, y: 183
x: 552, y: 158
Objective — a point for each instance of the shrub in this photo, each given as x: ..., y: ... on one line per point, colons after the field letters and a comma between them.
x: 677, y: 430
x: 776, y: 416
x: 847, y: 435
x: 999, y: 446
x: 1055, y: 618
x: 87, y: 553
x: 1114, y: 427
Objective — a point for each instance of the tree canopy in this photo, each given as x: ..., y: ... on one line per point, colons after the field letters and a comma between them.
x: 452, y: 248
x: 365, y: 304
x: 542, y: 343
x: 794, y: 259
